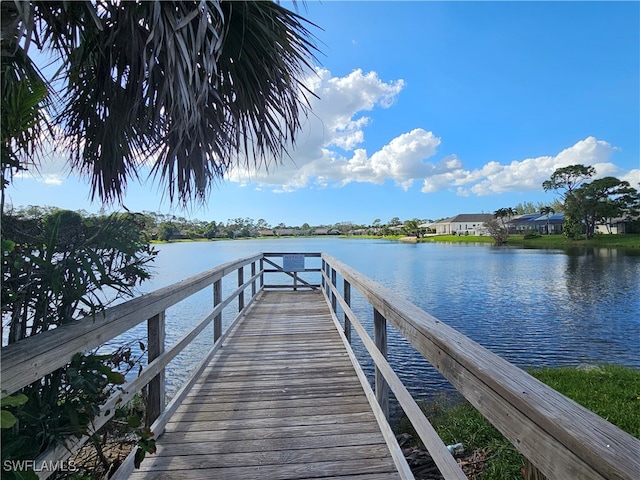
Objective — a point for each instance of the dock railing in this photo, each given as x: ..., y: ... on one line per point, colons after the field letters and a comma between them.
x: 32, y: 358
x: 561, y: 438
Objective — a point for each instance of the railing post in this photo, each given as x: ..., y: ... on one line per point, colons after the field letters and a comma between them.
x: 241, y: 294
x: 253, y: 283
x: 327, y: 268
x: 380, y: 339
x: 334, y: 302
x: 324, y: 269
x: 346, y: 289
x: 217, y: 299
x: 155, y: 347
x: 262, y: 272
x: 531, y: 472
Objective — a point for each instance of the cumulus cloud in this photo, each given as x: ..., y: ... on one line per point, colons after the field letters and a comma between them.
x: 329, y: 149
x: 527, y: 174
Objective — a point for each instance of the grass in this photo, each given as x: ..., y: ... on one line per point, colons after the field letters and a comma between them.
x: 630, y: 240
x: 611, y: 391
x: 457, y: 239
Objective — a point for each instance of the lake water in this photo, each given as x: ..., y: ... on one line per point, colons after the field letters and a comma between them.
x: 532, y: 307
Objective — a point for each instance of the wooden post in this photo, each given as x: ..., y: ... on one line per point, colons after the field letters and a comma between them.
x: 531, y: 472
x: 380, y: 339
x: 327, y: 268
x: 262, y: 272
x: 334, y: 302
x: 295, y: 281
x: 217, y: 299
x: 324, y: 269
x: 346, y: 288
x: 241, y: 294
x: 155, y: 347
x: 253, y: 283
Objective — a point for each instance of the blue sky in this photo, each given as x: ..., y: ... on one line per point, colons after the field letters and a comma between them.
x: 430, y: 109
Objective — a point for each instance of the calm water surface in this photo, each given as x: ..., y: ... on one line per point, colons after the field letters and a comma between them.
x: 532, y: 307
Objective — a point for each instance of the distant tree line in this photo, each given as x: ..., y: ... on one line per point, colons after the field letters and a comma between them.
x: 165, y: 227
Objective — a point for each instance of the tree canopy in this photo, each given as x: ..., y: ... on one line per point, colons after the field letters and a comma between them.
x: 568, y: 178
x: 191, y: 87
x: 588, y: 203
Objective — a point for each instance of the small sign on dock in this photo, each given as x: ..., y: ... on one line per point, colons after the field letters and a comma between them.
x: 293, y: 262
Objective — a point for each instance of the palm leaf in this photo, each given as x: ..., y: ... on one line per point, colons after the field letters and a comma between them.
x: 194, y: 87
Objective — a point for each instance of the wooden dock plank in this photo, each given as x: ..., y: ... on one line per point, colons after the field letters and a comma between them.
x: 280, y: 400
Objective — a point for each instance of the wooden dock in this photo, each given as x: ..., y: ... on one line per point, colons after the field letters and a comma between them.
x: 280, y: 399
x: 280, y: 393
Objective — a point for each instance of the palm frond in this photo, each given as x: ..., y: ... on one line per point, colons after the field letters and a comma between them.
x: 198, y: 86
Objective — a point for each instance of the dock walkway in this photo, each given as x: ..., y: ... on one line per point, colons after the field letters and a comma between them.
x: 280, y: 399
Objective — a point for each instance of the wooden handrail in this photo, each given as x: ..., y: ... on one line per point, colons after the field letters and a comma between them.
x: 386, y: 377
x: 30, y: 359
x: 561, y: 438
x: 127, y: 391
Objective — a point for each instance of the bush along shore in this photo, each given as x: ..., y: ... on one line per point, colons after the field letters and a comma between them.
x: 611, y: 391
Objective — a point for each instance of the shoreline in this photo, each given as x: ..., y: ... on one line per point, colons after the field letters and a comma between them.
x: 626, y: 241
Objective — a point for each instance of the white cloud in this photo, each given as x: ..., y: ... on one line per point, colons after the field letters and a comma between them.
x: 328, y: 151
x: 633, y: 177
x: 52, y: 167
x: 338, y: 121
x: 527, y: 174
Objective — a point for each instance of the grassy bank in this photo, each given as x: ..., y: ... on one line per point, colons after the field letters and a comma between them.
x: 611, y: 391
x: 631, y: 240
x: 546, y: 241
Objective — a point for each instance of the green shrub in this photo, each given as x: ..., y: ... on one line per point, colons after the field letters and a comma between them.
x: 59, y: 266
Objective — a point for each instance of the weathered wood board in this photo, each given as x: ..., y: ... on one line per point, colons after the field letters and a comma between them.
x: 281, y: 399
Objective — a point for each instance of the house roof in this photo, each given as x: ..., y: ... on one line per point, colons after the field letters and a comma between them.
x: 526, y: 218
x: 471, y: 217
x: 537, y: 218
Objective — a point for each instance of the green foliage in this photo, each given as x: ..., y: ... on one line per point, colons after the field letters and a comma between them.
x: 7, y: 419
x: 498, y: 232
x: 62, y: 265
x: 183, y: 82
x: 412, y: 227
x: 532, y: 235
x: 458, y: 422
x: 601, y: 199
x: 589, y: 203
x: 611, y: 391
x: 146, y: 444
x: 568, y: 178
x: 59, y: 266
x: 62, y: 405
x: 24, y: 97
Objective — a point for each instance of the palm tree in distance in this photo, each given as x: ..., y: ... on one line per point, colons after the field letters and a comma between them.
x: 503, y: 213
x: 548, y: 211
x: 192, y: 87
